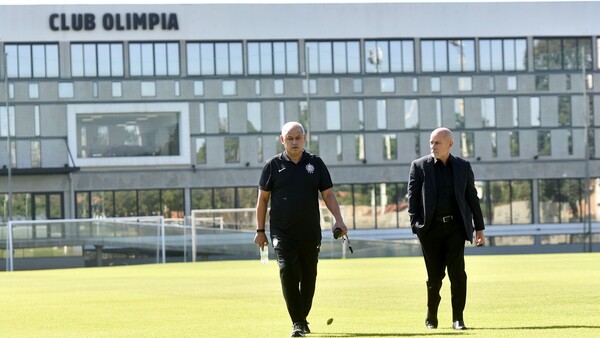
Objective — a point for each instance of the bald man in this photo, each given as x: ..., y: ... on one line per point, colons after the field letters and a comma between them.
x: 443, y: 206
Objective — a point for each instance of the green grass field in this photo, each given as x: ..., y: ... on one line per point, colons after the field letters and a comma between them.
x: 554, y: 295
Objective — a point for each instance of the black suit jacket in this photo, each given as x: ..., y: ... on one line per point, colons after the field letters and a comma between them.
x: 422, y: 195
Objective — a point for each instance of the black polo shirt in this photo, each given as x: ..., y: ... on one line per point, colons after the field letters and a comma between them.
x: 294, y: 190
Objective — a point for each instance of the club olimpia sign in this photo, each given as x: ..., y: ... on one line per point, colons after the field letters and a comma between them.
x: 113, y: 22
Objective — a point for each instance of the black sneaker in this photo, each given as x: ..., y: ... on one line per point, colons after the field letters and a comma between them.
x: 306, y: 329
x: 298, y: 330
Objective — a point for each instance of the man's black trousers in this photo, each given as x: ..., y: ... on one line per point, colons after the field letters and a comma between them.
x: 443, y: 247
x: 297, y: 262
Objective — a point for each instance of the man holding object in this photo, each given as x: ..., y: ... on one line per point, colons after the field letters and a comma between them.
x: 442, y: 206
x: 292, y: 181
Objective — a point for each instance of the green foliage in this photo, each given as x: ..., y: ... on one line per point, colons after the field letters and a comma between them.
x: 553, y: 295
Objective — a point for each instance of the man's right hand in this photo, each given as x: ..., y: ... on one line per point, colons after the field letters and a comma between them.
x: 261, y: 239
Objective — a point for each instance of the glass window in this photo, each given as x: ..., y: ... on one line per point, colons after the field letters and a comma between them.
x: 278, y: 145
x: 198, y: 88
x: 564, y: 111
x: 102, y: 204
x: 520, y: 197
x: 411, y: 114
x: 201, y: 150
x: 535, y: 111
x: 387, y: 85
x: 500, y: 202
x: 542, y: 82
x: 34, y: 91
x: 570, y: 141
x: 303, y: 114
x: 511, y: 83
x: 201, y: 118
x: 278, y: 87
x: 381, y: 114
x: 125, y: 203
x: 313, y: 86
x: 232, y: 149
x: 417, y: 144
x: 148, y: 88
x: 467, y: 144
x: 333, y: 57
x: 338, y: 147
x: 254, y: 119
x: 359, y: 142
x: 365, y: 208
x: 201, y: 198
x: 281, y: 113
x: 448, y: 55
x: 206, y: 59
x: 65, y: 90
x: 36, y: 121
x: 438, y: 112
x: 82, y: 205
x: 461, y: 55
x: 357, y: 86
x: 36, y: 154
x: 459, y: 112
x: 566, y: 53
x: 32, y: 60
x: 154, y: 59
x: 514, y: 143
x: 361, y: 114
x: 313, y: 145
x: 515, y: 112
x: 38, y: 60
x: 465, y: 84
x: 257, y: 87
x: 385, y: 56
x: 96, y: 59
x: 229, y: 87
x: 344, y: 196
x: 502, y: 54
x: 117, y: 89
x: 544, y: 143
x: 436, y: 84
x: 560, y: 200
x: 267, y: 58
x: 172, y: 201
x: 259, y: 149
x: 488, y: 112
x: 494, y: 144
x: 390, y: 147
x: 223, y: 117
x: 333, y: 113
x: 127, y: 134
x: 148, y: 203
x: 210, y: 58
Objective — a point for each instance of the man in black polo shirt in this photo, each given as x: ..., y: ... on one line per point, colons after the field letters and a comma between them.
x: 292, y: 181
x: 443, y: 205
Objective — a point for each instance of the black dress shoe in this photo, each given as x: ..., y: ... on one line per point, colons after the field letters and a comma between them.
x: 459, y: 325
x: 431, y: 324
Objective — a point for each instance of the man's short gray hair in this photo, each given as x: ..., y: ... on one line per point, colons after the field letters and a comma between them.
x: 290, y: 125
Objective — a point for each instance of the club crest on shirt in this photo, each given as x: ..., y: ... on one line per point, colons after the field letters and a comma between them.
x: 310, y: 169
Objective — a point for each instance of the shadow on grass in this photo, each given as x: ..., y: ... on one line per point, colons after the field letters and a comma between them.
x: 550, y: 327
x: 405, y: 334
x: 438, y: 333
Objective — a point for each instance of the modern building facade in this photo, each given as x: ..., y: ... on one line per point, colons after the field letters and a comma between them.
x: 121, y: 110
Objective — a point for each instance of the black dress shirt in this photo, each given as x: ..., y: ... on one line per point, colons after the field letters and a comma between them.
x: 445, y: 204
